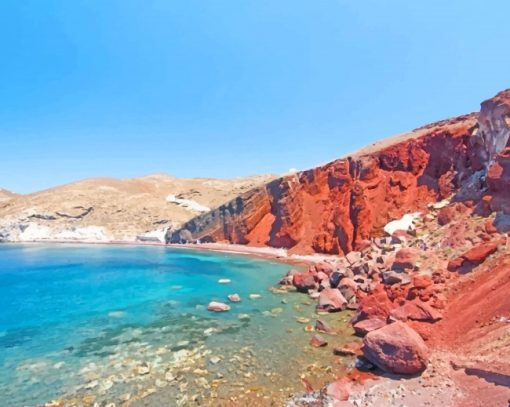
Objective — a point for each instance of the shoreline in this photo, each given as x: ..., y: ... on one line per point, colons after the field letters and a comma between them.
x: 266, y: 253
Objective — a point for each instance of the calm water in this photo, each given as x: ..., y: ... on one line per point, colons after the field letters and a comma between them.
x: 129, y: 325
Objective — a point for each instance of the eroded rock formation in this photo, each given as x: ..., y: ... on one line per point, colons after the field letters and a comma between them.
x: 335, y: 208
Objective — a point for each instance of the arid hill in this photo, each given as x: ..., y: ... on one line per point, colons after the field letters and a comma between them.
x: 103, y: 209
x: 6, y: 195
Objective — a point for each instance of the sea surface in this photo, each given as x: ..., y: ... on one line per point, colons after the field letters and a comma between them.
x: 85, y: 324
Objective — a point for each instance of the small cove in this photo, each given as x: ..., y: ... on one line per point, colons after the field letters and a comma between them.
x: 129, y: 325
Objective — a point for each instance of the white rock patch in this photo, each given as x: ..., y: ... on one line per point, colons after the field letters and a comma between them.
x: 187, y: 203
x: 406, y: 223
x: 158, y: 234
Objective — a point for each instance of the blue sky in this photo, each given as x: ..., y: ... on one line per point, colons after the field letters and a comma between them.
x: 231, y: 88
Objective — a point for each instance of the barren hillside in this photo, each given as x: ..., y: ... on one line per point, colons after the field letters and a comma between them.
x: 112, y: 209
x: 5, y: 195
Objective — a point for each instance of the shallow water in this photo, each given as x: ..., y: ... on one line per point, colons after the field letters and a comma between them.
x: 129, y: 325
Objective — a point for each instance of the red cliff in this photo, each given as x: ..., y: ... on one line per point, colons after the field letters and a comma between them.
x: 334, y: 208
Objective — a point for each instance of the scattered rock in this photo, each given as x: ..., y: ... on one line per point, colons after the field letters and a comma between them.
x: 445, y: 215
x: 405, y: 259
x: 322, y: 326
x: 416, y: 311
x: 142, y: 370
x: 422, y: 281
x: 234, y: 298
x: 474, y: 256
x: 339, y: 390
x: 350, y: 349
x: 331, y: 300
x: 368, y: 325
x: 318, y: 341
x: 334, y: 279
x: 214, y: 360
x: 391, y: 277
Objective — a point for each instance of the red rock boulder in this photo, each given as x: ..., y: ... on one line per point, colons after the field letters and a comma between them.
x: 416, y: 311
x: 361, y: 328
x: 474, y: 256
x: 375, y: 305
x: 304, y: 282
x: 396, y: 348
x: 331, y: 300
x: 318, y: 341
x: 405, y: 259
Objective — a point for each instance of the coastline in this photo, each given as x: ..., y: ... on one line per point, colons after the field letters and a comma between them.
x: 266, y: 253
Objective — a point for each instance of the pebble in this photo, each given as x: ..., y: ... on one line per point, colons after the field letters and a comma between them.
x: 147, y: 393
x: 106, y: 385
x: 214, y: 360
x: 255, y: 296
x: 169, y: 377
x: 142, y: 370
x: 92, y: 384
x: 210, y: 331
x: 88, y: 399
x: 125, y: 397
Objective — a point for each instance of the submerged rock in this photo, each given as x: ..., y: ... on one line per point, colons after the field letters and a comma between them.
x: 318, y: 341
x: 218, y: 306
x: 234, y: 298
x: 323, y: 326
x: 224, y: 281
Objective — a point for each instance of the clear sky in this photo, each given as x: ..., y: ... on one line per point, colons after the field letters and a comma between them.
x: 230, y: 88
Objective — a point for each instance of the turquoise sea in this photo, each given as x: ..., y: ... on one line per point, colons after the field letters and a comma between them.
x: 128, y: 325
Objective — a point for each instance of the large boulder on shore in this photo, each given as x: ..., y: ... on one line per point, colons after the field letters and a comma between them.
x: 396, y: 348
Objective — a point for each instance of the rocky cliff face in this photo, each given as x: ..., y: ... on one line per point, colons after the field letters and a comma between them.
x: 491, y: 152
x: 335, y: 208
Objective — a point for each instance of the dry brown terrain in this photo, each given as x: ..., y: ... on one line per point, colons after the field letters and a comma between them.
x: 113, y: 209
x: 5, y: 195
